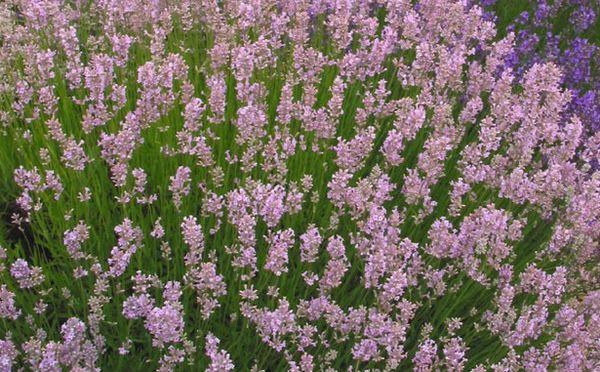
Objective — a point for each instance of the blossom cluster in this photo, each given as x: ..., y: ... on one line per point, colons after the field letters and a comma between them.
x: 298, y: 185
x: 539, y: 39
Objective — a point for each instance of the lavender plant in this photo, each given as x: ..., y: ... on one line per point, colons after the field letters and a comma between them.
x: 562, y: 32
x: 292, y: 185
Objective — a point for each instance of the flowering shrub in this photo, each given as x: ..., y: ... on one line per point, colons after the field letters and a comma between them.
x: 540, y: 30
x: 293, y: 185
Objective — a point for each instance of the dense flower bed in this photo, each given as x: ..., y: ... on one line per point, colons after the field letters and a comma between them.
x: 299, y: 185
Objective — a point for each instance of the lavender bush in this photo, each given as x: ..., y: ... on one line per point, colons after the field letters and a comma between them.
x: 562, y: 32
x: 297, y: 185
